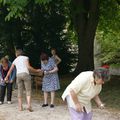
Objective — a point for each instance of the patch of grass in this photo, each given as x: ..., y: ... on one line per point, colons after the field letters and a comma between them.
x: 111, y: 93
x: 64, y: 81
x: 115, y: 65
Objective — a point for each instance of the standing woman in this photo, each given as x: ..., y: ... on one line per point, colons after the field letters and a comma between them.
x: 55, y: 57
x: 4, y: 68
x: 23, y: 77
x: 85, y: 87
x: 50, y: 79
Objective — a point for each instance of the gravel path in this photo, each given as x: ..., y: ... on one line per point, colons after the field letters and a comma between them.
x: 10, y: 112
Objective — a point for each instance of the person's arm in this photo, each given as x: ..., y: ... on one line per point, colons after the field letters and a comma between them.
x: 31, y: 68
x: 1, y: 73
x: 58, y: 60
x: 54, y: 70
x: 78, y: 106
x: 76, y: 87
x: 53, y: 66
x: 9, y: 72
x: 13, y: 75
x: 98, y: 102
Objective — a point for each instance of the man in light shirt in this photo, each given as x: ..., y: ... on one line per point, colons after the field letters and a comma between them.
x: 23, y: 77
x: 85, y: 87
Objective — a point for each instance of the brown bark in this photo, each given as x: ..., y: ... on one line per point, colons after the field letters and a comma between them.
x: 85, y: 18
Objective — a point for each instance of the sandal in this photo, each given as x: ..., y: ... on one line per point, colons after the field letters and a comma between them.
x: 30, y: 109
x: 21, y: 109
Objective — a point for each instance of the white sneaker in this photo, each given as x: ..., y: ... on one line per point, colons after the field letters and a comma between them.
x: 9, y: 102
x: 1, y: 102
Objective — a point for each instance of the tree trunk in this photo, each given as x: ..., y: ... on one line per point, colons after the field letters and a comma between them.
x: 10, y: 49
x: 17, y: 28
x: 37, y: 29
x: 85, y: 20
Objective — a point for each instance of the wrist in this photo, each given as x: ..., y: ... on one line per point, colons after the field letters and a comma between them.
x: 46, y: 72
x: 101, y: 105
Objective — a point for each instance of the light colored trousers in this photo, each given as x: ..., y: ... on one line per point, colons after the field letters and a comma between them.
x: 79, y: 115
x: 24, y: 80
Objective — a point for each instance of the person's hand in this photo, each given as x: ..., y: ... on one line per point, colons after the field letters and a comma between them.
x: 79, y: 107
x: 102, y: 106
x: 46, y: 72
x: 38, y: 70
x: 6, y: 79
x: 11, y: 81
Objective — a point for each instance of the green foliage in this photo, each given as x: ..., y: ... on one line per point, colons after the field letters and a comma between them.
x: 15, y: 8
x: 41, y: 24
x: 108, y: 32
x: 110, y: 49
x: 42, y: 1
x: 41, y: 28
x: 115, y: 65
x: 109, y: 15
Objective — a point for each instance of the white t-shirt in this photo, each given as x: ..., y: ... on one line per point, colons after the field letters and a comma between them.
x: 20, y: 63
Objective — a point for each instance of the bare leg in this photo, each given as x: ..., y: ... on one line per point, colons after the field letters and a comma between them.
x: 29, y: 101
x: 52, y: 97
x: 45, y: 97
x: 20, y: 103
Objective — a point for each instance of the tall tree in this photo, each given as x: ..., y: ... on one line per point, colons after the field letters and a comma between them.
x: 39, y: 27
x: 85, y: 14
x: 85, y: 17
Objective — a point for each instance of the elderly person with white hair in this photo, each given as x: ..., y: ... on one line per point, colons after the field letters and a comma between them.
x: 85, y: 87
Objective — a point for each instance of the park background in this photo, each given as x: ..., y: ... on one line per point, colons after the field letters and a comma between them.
x: 85, y: 33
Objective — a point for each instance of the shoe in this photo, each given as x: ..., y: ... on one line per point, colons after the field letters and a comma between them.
x: 9, y: 102
x: 51, y: 106
x: 44, y: 105
x: 1, y: 102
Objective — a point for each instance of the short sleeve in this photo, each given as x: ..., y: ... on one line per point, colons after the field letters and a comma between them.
x: 78, y: 83
x: 26, y: 58
x: 14, y: 62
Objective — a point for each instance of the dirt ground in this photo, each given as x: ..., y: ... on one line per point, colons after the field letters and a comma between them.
x: 60, y: 112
